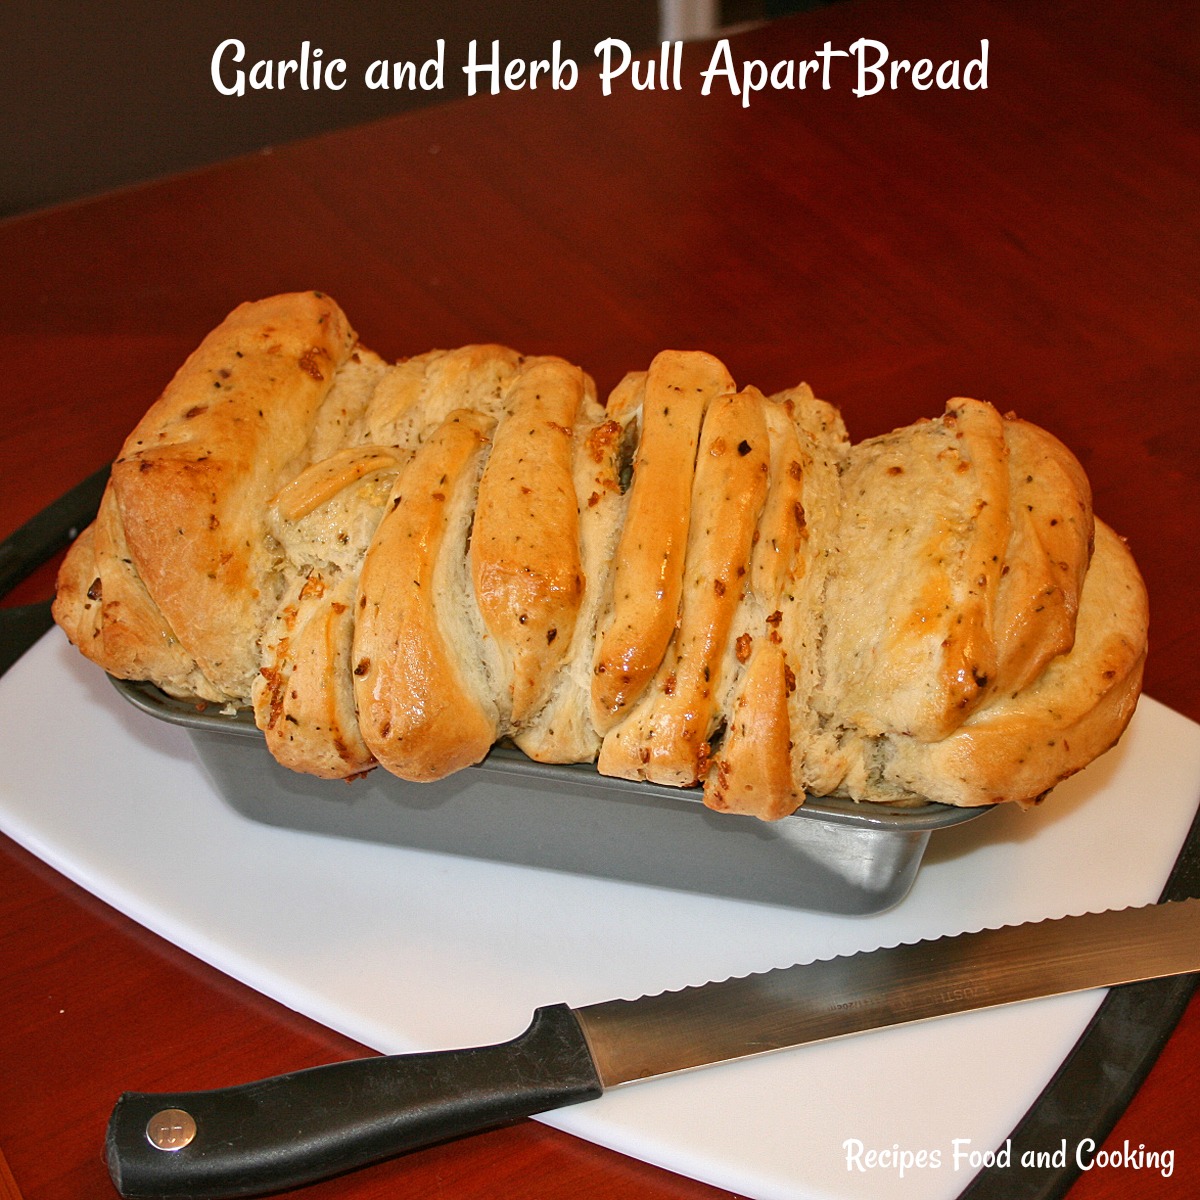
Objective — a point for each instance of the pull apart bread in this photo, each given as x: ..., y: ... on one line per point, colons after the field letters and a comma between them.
x: 692, y: 584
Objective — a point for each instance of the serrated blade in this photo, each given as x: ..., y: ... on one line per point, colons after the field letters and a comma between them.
x: 830, y: 998
x: 307, y: 1125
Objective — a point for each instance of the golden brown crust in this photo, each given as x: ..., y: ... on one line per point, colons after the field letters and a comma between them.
x: 103, y: 607
x: 193, y: 480
x: 1023, y: 744
x: 649, y: 570
x: 325, y: 518
x: 418, y: 712
x: 402, y: 563
x: 320, y: 482
x: 752, y: 771
x: 783, y: 528
x: 562, y: 731
x: 665, y: 737
x: 525, y: 552
x: 772, y: 748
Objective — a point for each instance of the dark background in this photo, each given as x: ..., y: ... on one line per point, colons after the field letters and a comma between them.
x: 101, y: 95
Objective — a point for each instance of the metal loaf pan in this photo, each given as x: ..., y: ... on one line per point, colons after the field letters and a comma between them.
x: 832, y: 855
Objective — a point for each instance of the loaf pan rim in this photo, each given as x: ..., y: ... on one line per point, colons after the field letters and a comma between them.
x: 208, y: 717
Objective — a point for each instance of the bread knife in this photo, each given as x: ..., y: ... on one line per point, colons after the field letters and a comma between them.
x: 295, y: 1129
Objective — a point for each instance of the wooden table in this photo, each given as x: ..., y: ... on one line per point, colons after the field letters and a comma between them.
x: 1035, y: 243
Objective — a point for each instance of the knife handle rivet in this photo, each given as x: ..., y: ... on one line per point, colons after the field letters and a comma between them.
x: 170, y: 1129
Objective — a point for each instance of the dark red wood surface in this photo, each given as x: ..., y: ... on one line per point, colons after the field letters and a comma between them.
x: 1036, y: 243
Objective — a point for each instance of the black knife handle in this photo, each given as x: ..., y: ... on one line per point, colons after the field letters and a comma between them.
x: 295, y: 1129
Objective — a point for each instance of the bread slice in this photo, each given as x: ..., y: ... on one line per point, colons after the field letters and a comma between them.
x: 1024, y: 743
x: 665, y: 736
x: 602, y: 456
x: 419, y: 393
x: 764, y: 763
x: 425, y: 708
x: 1049, y: 549
x: 962, y: 552
x: 920, y: 548
x: 526, y: 569
x: 648, y: 580
x: 304, y: 695
x: 324, y: 519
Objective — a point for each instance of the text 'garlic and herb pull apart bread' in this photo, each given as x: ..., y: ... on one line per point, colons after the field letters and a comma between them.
x: 691, y: 583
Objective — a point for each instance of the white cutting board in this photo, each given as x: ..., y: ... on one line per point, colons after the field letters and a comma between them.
x: 406, y: 950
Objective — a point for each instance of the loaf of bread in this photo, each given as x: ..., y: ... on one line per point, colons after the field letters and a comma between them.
x: 692, y: 583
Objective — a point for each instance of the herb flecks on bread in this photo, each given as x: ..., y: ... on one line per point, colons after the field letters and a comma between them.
x: 692, y: 583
